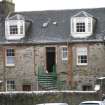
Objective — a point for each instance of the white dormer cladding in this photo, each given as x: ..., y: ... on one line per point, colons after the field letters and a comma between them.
x: 14, y: 27
x: 82, y: 25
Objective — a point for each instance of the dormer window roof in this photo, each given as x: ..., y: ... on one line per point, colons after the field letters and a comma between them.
x: 15, y: 27
x: 82, y: 25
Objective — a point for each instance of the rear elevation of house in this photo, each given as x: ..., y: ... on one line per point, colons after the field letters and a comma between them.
x: 51, y: 50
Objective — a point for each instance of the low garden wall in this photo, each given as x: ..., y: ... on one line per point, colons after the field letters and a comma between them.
x: 33, y: 98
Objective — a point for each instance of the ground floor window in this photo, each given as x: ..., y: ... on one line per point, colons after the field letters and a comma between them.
x: 86, y: 87
x: 26, y: 87
x: 10, y: 85
x: 64, y: 54
x: 1, y: 85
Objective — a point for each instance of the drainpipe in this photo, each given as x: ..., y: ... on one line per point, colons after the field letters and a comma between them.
x: 4, y: 70
x: 70, y: 73
x: 36, y: 72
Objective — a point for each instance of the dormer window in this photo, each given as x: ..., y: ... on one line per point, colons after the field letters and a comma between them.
x: 15, y: 27
x: 82, y: 26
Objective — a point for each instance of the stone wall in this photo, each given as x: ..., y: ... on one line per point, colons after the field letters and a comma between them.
x: 33, y: 98
x: 2, y: 67
x: 29, y: 57
x: 87, y: 74
x: 24, y: 70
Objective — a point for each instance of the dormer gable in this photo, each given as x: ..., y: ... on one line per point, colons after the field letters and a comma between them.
x: 82, y: 25
x: 82, y: 14
x: 15, y: 17
x: 14, y: 27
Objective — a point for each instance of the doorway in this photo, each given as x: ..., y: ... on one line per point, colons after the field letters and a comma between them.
x: 50, y: 58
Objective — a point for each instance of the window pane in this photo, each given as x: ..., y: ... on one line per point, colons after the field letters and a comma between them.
x: 82, y: 59
x: 10, y: 56
x: 10, y: 52
x: 13, y: 29
x: 64, y: 53
x: 10, y: 60
x: 82, y: 55
x: 80, y: 27
x: 11, y: 85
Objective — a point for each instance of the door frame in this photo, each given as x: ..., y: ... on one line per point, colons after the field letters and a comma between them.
x: 55, y: 49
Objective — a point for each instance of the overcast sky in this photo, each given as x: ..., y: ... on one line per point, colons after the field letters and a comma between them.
x: 34, y: 5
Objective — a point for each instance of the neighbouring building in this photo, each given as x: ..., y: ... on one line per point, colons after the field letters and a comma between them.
x: 46, y: 50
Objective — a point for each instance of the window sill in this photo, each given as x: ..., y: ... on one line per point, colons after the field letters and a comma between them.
x: 82, y: 64
x: 81, y: 35
x: 14, y: 37
x: 10, y: 65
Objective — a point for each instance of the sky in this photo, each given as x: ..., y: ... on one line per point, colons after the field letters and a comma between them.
x: 36, y: 5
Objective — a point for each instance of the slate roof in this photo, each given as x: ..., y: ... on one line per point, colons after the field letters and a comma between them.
x: 49, y: 27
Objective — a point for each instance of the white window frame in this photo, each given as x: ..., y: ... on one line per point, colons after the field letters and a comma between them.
x: 11, y: 29
x: 10, y: 85
x: 63, y: 52
x: 88, y: 26
x: 6, y: 56
x: 80, y: 27
x: 82, y: 51
x: 19, y: 24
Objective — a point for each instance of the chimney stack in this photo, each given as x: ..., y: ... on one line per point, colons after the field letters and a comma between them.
x: 6, y: 6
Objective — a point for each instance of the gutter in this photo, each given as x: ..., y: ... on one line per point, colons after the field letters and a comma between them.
x: 50, y: 43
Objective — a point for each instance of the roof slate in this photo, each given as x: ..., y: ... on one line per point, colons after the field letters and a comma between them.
x: 54, y: 27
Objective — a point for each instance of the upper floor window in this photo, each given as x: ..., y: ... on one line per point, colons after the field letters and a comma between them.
x: 10, y: 57
x: 64, y: 54
x: 14, y: 29
x: 82, y: 56
x: 81, y: 26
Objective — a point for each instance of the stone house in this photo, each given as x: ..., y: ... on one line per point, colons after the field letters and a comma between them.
x: 46, y: 50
